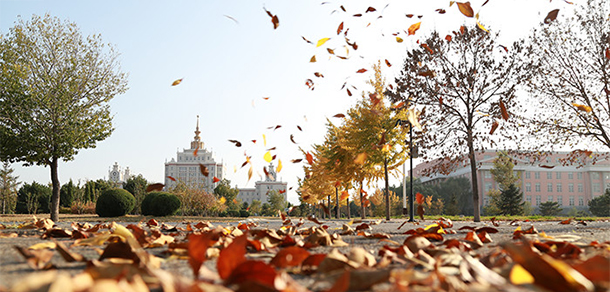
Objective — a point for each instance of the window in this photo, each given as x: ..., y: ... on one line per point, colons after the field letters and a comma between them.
x: 528, y: 199
x: 549, y: 175
x: 558, y: 175
x: 560, y: 200
x: 571, y: 187
x: 548, y: 160
x: 487, y: 187
x: 581, y: 201
x: 538, y: 199
x: 549, y: 187
x: 527, y: 174
x: 528, y: 187
x: 580, y: 188
x: 596, y: 188
x: 570, y: 175
x: 538, y: 187
x: 559, y: 188
x: 594, y: 175
x: 549, y: 198
x: 486, y: 156
x: 579, y: 175
x: 537, y: 174
x: 487, y: 174
x: 571, y: 200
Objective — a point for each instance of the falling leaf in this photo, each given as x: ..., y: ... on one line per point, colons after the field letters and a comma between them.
x: 413, y: 28
x: 215, y: 179
x: 322, y: 41
x: 267, y: 157
x: 582, y: 107
x: 279, y: 166
x: 441, y: 11
x: 171, y: 178
x: 339, y: 116
x: 465, y: 9
x: 399, y: 39
x: 388, y: 63
x: 292, y: 139
x: 274, y: 19
x: 481, y: 26
x: 361, y: 70
x: 309, y: 84
x: 349, y: 93
x: 409, y: 15
x: 177, y: 82
x: 264, y: 140
x: 358, y: 15
x: 154, y: 187
x: 250, y: 173
x: 361, y: 158
x: 204, y: 170
x: 296, y: 160
x: 503, y: 110
x: 308, y: 41
x: 318, y: 74
x: 608, y: 53
x: 419, y: 198
x: 237, y: 143
x: 370, y: 9
x: 448, y: 38
x: 330, y: 51
x: 551, y: 16
x: 313, y: 59
x: 309, y: 158
x: 340, y: 28
x: 231, y: 18
x: 494, y: 126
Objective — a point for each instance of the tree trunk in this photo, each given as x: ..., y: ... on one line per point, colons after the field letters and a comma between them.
x: 337, y: 202
x: 349, y: 215
x: 474, y: 179
x: 330, y: 213
x: 362, y: 209
x: 55, y: 195
x: 387, y: 190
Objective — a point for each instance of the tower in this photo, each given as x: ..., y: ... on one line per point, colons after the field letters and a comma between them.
x: 196, y: 143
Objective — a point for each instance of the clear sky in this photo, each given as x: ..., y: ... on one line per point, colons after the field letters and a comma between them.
x: 230, y: 57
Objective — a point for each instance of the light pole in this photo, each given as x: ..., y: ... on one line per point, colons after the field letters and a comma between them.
x: 411, y: 156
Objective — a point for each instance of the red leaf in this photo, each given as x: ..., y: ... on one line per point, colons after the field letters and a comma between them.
x: 290, y: 257
x: 361, y: 70
x: 486, y: 229
x: 309, y: 158
x: 551, y: 16
x: 204, y: 170
x: 197, y: 247
x: 340, y: 28
x: 342, y: 284
x: 215, y: 180
x: 608, y: 53
x: 419, y: 198
x: 448, y: 38
x: 171, y: 178
x: 494, y: 126
x: 154, y: 187
x: 370, y: 9
x: 339, y: 116
x: 274, y: 19
x: 232, y: 256
x: 503, y: 110
x: 252, y: 272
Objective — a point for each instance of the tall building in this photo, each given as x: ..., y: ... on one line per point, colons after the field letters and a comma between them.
x: 188, y: 164
x: 262, y: 188
x: 540, y: 180
x: 118, y: 176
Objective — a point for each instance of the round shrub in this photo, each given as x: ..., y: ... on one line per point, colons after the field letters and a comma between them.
x: 114, y: 203
x: 146, y: 206
x: 160, y: 204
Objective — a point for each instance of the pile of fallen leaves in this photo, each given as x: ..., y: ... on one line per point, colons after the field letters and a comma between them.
x: 251, y: 258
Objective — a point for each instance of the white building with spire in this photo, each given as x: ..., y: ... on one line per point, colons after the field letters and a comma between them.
x: 117, y: 176
x: 262, y: 188
x: 187, y: 165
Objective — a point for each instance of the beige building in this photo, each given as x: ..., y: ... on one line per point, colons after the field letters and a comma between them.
x: 542, y: 179
x: 186, y: 167
x: 262, y: 188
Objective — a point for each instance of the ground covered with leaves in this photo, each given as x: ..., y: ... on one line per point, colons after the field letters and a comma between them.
x: 305, y: 255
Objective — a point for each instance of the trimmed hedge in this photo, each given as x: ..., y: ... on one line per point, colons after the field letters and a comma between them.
x: 114, y: 203
x: 160, y: 204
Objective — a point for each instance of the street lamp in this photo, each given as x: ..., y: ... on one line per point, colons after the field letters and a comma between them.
x: 412, y: 154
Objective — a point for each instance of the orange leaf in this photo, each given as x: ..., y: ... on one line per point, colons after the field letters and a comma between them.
x: 344, y: 195
x: 232, y: 256
x: 309, y: 158
x: 318, y: 74
x: 413, y: 28
x: 503, y: 110
x: 388, y: 63
x: 494, y: 126
x: 419, y: 198
x: 177, y: 82
x: 361, y: 158
x: 361, y: 70
x: 204, y: 170
x: 465, y: 9
x: 154, y: 187
x: 340, y: 28
x: 171, y: 178
x: 313, y: 59
x: 253, y: 274
x: 216, y: 179
x: 582, y: 107
x: 197, y: 247
x: 551, y: 16
x: 290, y: 257
x: 339, y: 116
x: 448, y: 38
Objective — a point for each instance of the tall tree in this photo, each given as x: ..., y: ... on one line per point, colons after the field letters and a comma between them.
x: 570, y: 82
x: 136, y: 185
x: 33, y: 198
x: 277, y: 201
x: 467, y: 84
x: 55, y: 94
x: 224, y: 189
x: 8, y: 188
x: 510, y: 200
x: 502, y: 171
x: 67, y: 193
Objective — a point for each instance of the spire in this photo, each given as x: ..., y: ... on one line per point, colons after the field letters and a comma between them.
x: 196, y: 143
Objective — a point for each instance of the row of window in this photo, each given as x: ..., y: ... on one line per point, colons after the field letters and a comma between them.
x: 581, y: 200
x: 193, y: 158
x: 559, y: 187
x: 558, y: 175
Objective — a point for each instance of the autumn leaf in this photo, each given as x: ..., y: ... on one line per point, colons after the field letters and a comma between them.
x: 296, y: 160
x: 196, y: 150
x: 448, y: 38
x: 237, y: 143
x: 177, y: 82
x: 215, y: 179
x: 309, y: 158
x: 322, y: 41
x: 340, y: 28
x: 349, y: 93
x: 419, y: 198
x: 279, y: 166
x: 465, y: 9
x: 399, y: 39
x: 308, y: 41
x: 481, y: 26
x: 154, y: 187
x: 339, y: 116
x: 204, y: 170
x: 318, y: 74
x: 551, y: 16
x: 360, y: 158
x: 250, y: 173
x: 388, y: 63
x: 361, y: 70
x: 274, y: 19
x: 503, y: 110
x: 413, y: 28
x: 582, y: 107
x: 313, y: 59
x: 494, y: 126
x: 370, y: 9
x: 310, y: 84
x: 267, y: 157
x: 290, y: 257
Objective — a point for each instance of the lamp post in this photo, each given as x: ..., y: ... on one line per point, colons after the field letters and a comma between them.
x: 411, y: 156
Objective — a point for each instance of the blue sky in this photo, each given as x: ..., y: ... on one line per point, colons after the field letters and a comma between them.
x: 228, y: 67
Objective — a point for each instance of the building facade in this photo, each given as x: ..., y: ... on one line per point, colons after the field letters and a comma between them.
x: 262, y: 188
x: 187, y: 165
x: 543, y: 179
x: 117, y: 176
